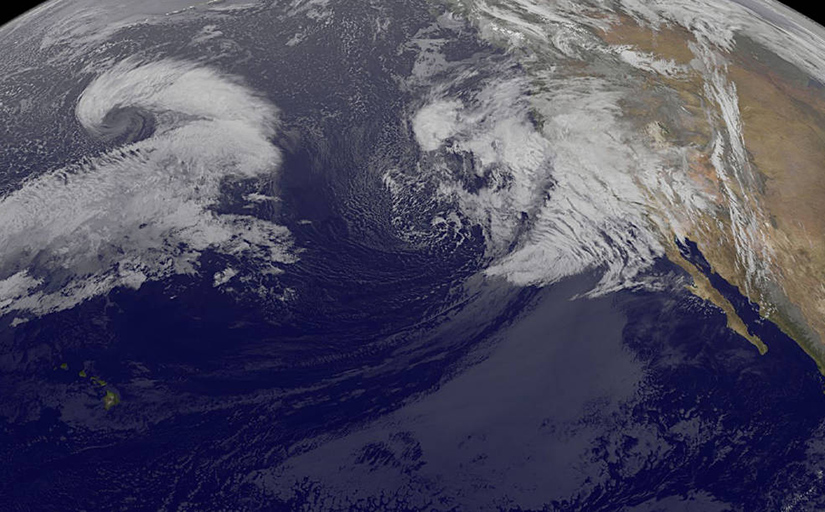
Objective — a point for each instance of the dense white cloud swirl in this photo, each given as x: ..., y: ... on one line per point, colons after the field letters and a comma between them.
x: 557, y: 201
x: 142, y: 211
x: 569, y: 177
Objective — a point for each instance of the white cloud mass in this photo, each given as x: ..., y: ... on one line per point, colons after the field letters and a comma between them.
x: 142, y: 211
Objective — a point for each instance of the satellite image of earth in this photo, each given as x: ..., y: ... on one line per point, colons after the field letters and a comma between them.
x: 412, y: 255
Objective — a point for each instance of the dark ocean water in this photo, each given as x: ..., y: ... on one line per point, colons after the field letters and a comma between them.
x: 640, y: 401
x: 636, y: 401
x: 376, y: 373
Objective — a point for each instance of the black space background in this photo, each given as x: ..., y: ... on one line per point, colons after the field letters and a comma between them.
x: 14, y: 9
x: 813, y: 9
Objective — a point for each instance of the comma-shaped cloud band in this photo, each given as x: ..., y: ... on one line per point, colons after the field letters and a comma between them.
x: 142, y: 211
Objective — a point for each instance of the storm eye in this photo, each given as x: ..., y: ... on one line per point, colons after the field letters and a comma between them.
x: 124, y: 125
